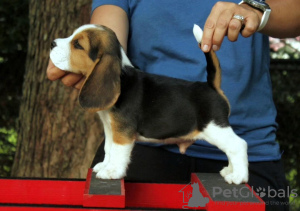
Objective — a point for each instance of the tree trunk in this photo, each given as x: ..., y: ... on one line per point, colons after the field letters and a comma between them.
x: 56, y: 138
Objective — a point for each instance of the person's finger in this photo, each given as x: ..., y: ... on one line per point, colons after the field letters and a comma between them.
x: 71, y: 79
x: 220, y: 23
x: 209, y: 29
x: 208, y: 33
x: 251, y: 25
x: 54, y: 73
x: 234, y: 29
x: 221, y: 28
x: 252, y: 20
x: 212, y: 23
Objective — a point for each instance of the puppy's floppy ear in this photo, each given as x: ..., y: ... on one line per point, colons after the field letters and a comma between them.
x: 101, y: 88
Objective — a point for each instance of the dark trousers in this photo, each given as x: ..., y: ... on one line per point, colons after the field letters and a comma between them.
x: 154, y: 164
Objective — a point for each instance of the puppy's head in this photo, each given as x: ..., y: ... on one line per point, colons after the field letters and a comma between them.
x: 93, y: 51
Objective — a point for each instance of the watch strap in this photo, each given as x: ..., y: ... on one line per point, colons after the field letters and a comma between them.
x: 264, y: 18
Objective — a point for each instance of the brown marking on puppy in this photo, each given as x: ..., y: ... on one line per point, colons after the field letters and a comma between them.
x: 121, y: 135
x: 187, y: 141
x: 83, y: 40
x: 217, y: 79
x: 183, y: 142
x: 79, y: 58
x: 191, y: 135
x: 88, y: 46
x: 93, y: 53
x: 218, y: 75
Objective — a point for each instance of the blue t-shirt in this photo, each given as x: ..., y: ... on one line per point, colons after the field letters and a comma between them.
x: 161, y: 41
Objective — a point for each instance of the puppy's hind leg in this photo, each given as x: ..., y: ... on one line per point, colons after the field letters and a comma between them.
x: 234, y: 147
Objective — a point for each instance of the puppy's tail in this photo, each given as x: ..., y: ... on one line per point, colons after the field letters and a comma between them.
x: 213, y: 68
x: 213, y: 65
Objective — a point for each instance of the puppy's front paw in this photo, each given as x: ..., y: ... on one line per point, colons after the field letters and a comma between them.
x: 237, y: 177
x: 111, y: 172
x: 99, y: 166
x: 226, y: 171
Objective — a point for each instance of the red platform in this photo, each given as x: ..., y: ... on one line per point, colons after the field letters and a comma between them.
x: 76, y: 195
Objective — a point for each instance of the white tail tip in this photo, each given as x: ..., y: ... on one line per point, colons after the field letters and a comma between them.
x: 198, y: 33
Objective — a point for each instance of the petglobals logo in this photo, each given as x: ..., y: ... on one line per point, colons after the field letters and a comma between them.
x: 260, y: 191
x: 272, y: 193
x: 192, y: 197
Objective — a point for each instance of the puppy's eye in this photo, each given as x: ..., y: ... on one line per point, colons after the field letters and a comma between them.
x: 77, y: 45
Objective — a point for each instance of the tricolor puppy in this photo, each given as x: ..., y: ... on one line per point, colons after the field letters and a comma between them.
x: 134, y: 105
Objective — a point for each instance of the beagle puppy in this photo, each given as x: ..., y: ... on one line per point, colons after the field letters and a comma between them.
x: 137, y: 106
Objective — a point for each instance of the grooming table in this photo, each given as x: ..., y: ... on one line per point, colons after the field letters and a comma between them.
x: 205, y: 192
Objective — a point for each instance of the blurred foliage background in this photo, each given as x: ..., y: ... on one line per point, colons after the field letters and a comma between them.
x: 286, y: 89
x: 285, y: 72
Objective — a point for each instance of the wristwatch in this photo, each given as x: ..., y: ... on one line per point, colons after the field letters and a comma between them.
x: 262, y: 6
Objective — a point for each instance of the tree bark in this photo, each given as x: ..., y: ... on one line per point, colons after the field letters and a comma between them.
x: 56, y: 138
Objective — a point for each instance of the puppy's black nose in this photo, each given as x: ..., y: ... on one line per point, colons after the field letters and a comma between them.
x: 53, y: 44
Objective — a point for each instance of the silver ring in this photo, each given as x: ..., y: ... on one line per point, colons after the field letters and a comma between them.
x: 240, y: 18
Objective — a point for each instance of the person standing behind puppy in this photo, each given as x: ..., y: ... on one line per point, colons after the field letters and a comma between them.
x: 157, y: 37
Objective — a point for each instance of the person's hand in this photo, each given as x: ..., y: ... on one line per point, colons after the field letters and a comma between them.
x: 67, y: 78
x: 220, y: 23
